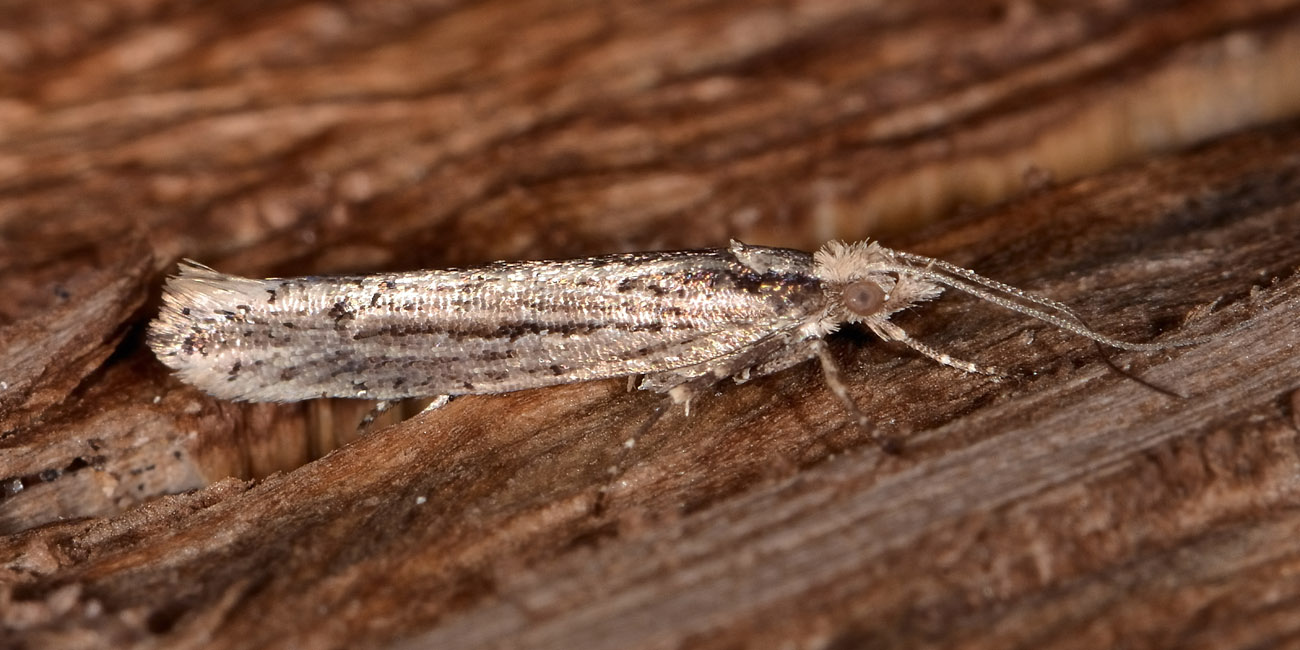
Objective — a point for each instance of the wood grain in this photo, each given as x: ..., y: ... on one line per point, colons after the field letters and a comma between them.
x: 1066, y: 507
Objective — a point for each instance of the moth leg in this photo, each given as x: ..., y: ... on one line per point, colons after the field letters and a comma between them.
x: 687, y: 389
x: 623, y: 462
x: 775, y: 356
x: 379, y: 409
x: 831, y: 372
x: 891, y: 332
x: 437, y: 403
x: 793, y: 355
x: 769, y: 355
x: 681, y: 386
x: 628, y: 445
x: 383, y: 406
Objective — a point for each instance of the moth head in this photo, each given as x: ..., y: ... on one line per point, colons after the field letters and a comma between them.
x: 867, y: 283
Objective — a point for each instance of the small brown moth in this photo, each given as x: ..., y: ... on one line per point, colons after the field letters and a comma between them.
x: 680, y: 321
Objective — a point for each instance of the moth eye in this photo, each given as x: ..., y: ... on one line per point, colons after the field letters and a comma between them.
x: 864, y: 298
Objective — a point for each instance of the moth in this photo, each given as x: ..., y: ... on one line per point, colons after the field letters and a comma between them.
x: 673, y: 322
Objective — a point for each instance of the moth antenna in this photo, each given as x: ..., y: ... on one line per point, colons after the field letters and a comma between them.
x: 976, y: 278
x: 996, y: 292
x: 1110, y: 363
x: 989, y: 289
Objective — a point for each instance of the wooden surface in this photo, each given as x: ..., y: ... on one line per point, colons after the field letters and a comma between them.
x: 1068, y: 507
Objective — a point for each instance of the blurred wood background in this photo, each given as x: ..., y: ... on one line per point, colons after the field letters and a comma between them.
x: 1140, y: 161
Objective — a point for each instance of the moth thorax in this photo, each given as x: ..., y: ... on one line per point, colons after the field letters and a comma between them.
x: 864, y: 297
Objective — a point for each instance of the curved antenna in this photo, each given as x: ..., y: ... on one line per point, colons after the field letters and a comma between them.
x: 976, y: 278
x: 1006, y: 296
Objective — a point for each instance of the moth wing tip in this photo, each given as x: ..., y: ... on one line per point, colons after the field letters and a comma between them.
x: 188, y: 268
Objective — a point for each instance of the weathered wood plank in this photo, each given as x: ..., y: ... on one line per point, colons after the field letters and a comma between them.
x: 1068, y: 508
x: 1031, y: 512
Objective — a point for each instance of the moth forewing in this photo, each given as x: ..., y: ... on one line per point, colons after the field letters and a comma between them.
x: 490, y: 329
